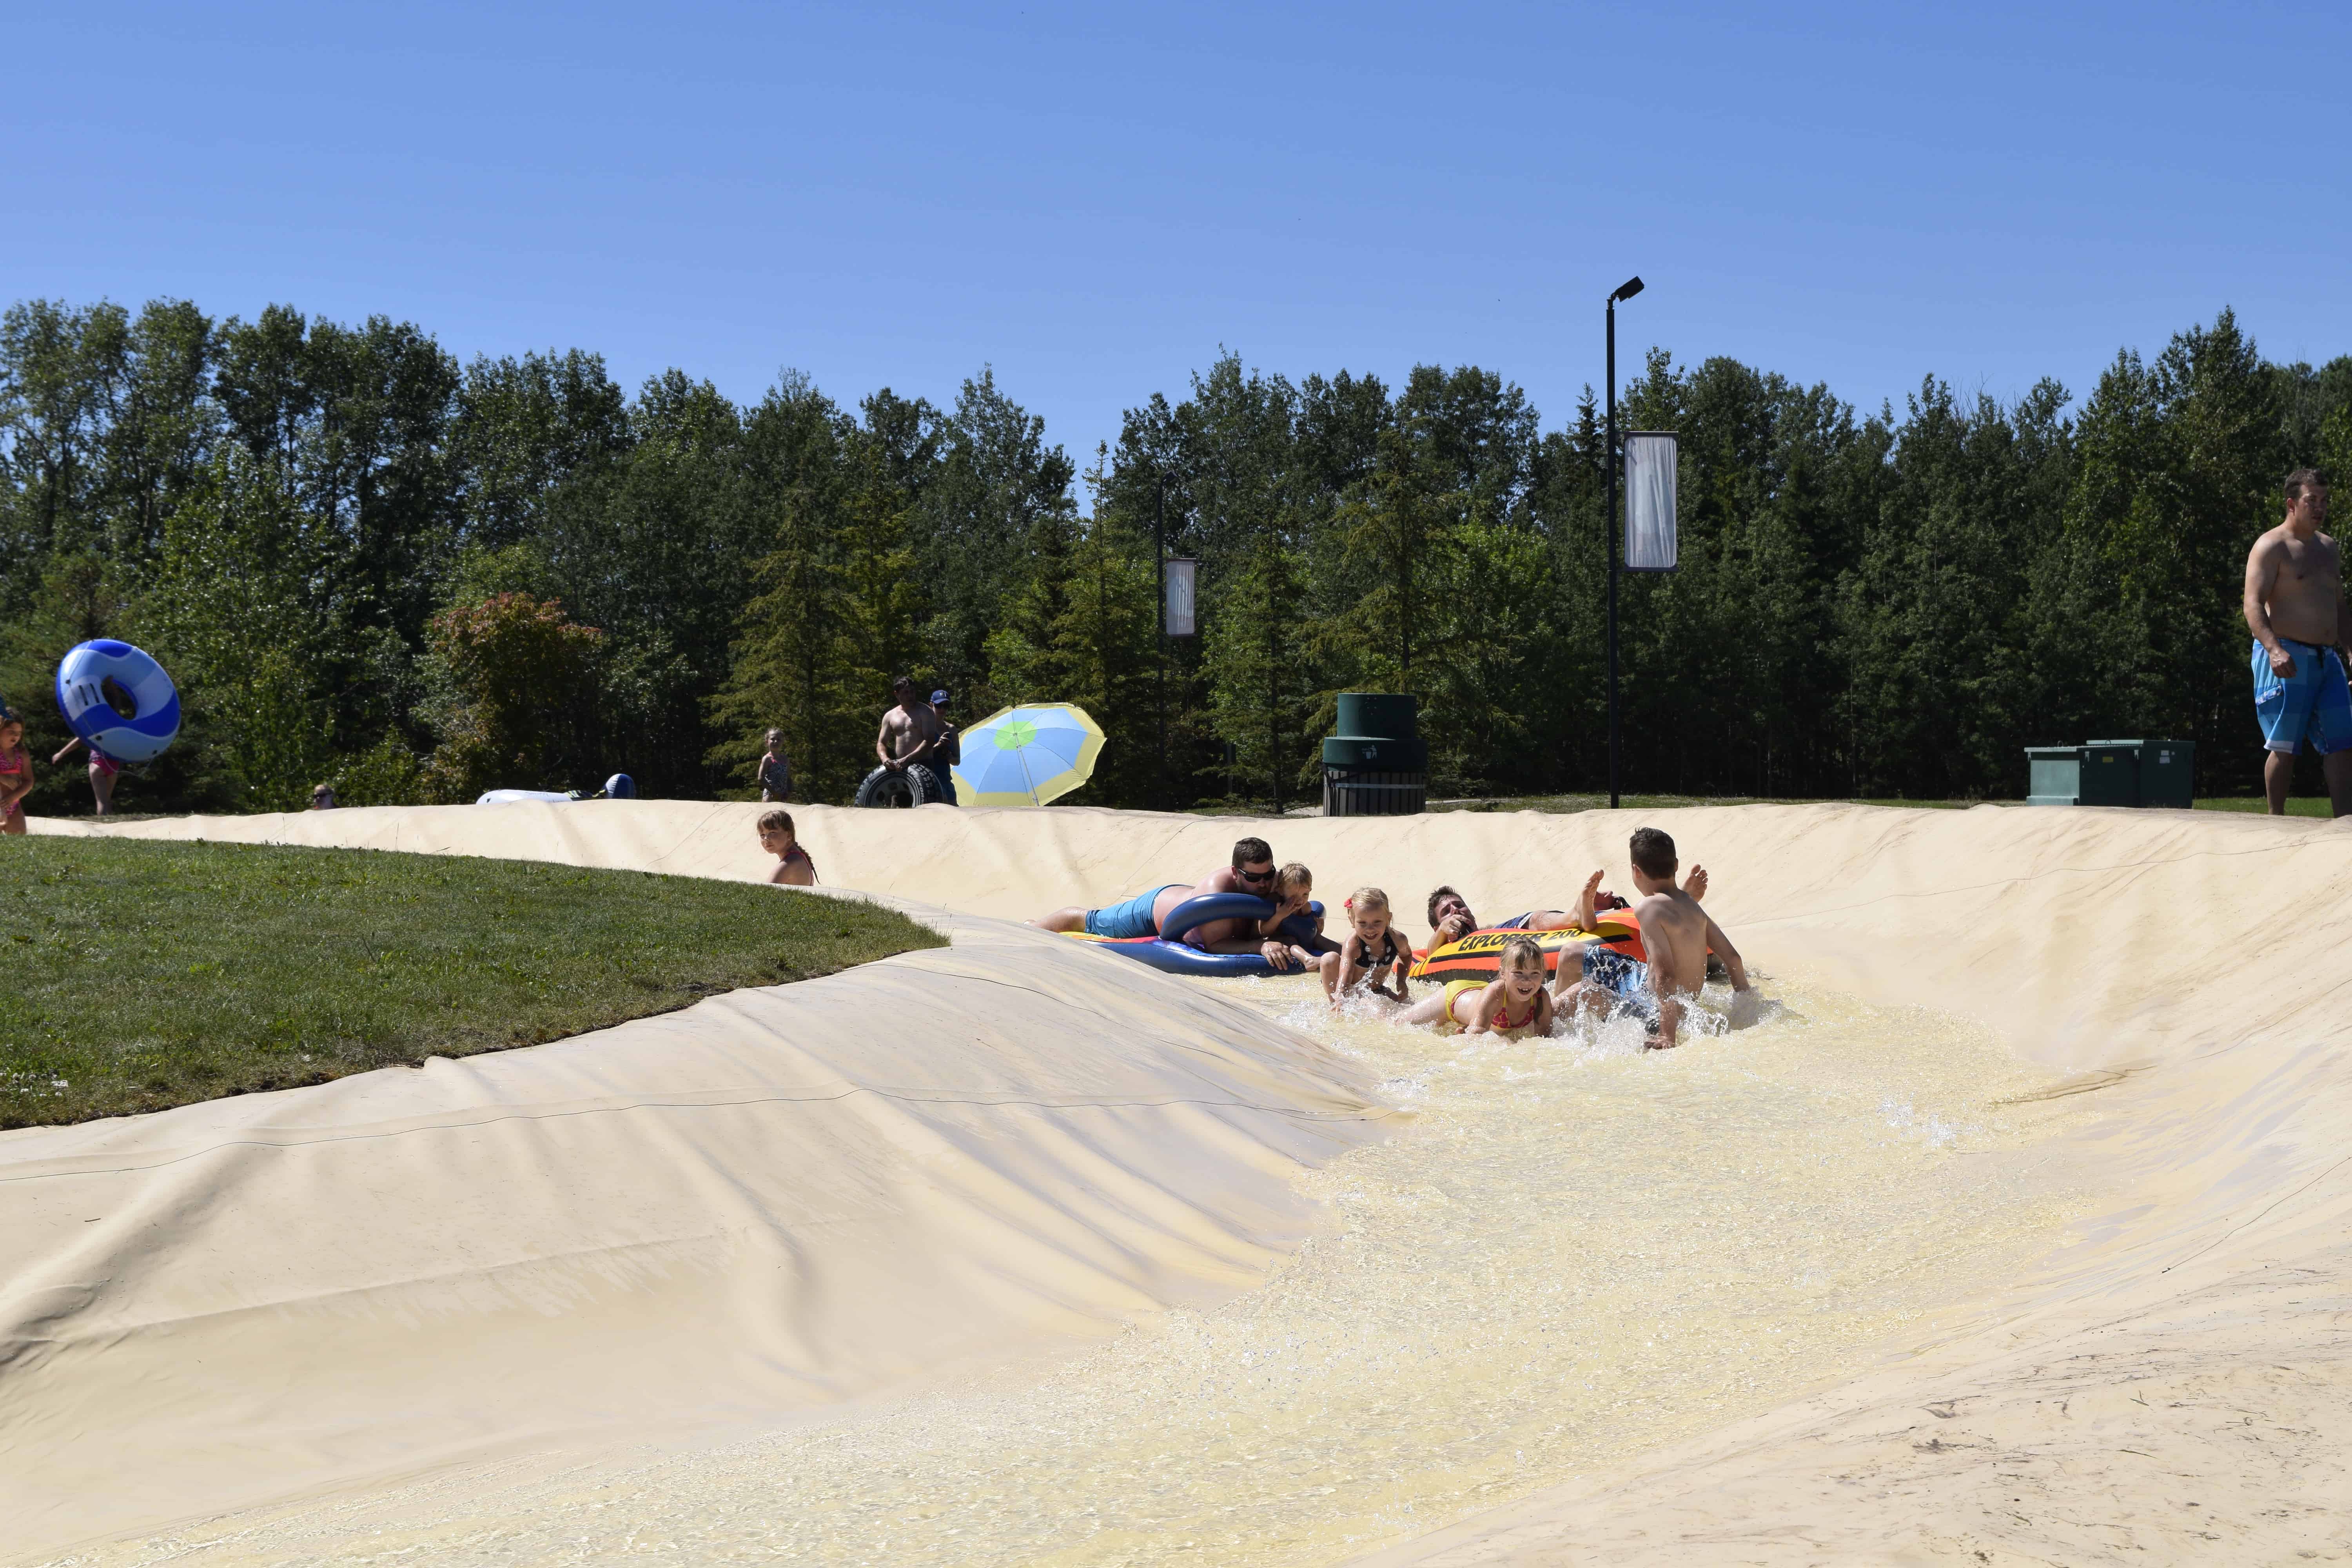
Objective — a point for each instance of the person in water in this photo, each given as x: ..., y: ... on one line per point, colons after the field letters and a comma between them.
x: 1514, y: 1003
x: 1450, y: 919
x: 1252, y: 872
x: 1375, y: 957
x: 15, y: 773
x: 794, y: 867
x: 1678, y: 937
x: 1294, y: 894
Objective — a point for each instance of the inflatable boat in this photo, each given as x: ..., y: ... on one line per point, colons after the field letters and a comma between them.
x: 1168, y: 951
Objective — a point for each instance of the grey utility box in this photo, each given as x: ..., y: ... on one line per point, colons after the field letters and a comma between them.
x: 2113, y: 773
x: 1378, y: 764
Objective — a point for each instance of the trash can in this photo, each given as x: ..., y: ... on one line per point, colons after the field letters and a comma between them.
x: 2113, y: 773
x: 2110, y: 774
x: 1377, y: 765
x: 2053, y: 775
x: 2165, y: 772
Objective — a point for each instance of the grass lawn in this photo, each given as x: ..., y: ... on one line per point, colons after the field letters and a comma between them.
x: 2296, y: 805
x: 141, y: 975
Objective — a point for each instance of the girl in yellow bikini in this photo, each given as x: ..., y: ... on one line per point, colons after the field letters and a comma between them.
x: 1513, y: 1004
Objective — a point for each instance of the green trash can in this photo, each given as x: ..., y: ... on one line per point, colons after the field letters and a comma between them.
x: 2165, y: 771
x: 2113, y: 773
x: 2110, y: 774
x: 1378, y: 764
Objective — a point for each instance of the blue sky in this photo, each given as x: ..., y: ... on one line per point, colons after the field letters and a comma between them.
x: 1095, y: 200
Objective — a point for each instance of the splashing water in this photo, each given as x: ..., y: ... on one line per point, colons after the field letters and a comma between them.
x: 1575, y: 1252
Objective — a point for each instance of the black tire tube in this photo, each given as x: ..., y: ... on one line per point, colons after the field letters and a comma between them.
x: 883, y: 786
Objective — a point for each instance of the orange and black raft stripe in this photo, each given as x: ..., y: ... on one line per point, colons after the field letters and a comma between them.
x: 1480, y: 955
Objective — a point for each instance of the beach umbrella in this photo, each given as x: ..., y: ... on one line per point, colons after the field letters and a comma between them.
x: 1027, y: 754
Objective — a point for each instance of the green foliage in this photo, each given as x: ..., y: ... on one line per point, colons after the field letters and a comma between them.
x: 519, y: 706
x: 1866, y: 605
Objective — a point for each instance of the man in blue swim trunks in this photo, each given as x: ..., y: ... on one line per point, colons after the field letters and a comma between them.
x: 2295, y: 608
x: 1252, y: 872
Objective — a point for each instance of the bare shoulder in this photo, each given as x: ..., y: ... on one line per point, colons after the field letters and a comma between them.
x: 2271, y: 543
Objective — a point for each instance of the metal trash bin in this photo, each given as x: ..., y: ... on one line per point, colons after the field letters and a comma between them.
x: 1378, y: 764
x: 2054, y: 775
x: 2113, y: 773
x: 2165, y: 772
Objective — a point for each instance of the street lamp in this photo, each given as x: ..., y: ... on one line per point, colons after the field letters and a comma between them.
x: 1625, y: 290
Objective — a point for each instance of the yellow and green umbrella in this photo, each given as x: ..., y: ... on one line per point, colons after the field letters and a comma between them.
x: 1027, y: 754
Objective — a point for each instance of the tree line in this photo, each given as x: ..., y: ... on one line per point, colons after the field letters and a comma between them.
x: 368, y: 564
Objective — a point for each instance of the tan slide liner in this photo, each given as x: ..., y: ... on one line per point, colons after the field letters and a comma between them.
x: 823, y: 1190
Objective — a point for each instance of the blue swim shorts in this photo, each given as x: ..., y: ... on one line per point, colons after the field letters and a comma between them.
x: 1627, y: 979
x: 1130, y: 919
x: 2312, y: 703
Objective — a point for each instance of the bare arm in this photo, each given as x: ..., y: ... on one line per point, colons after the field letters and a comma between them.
x: 2262, y: 576
x: 882, y: 744
x: 68, y: 750
x: 1721, y: 946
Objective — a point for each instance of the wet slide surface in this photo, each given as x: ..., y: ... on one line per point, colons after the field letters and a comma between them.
x: 2023, y: 1211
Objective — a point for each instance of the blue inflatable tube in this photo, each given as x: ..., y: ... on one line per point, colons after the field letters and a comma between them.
x: 1168, y: 953
x: 82, y: 677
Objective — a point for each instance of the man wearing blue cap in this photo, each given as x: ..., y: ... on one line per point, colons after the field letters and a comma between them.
x: 913, y: 734
x: 949, y: 749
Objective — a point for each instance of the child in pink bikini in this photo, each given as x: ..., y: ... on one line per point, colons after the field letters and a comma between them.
x: 15, y: 773
x: 102, y: 769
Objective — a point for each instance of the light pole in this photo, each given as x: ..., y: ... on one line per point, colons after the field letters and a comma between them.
x: 1625, y: 290
x: 1159, y: 574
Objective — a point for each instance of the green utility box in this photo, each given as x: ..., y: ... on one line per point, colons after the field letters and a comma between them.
x: 2113, y: 773
x: 1378, y: 764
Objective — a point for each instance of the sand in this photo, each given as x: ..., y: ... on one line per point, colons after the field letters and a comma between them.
x: 796, y: 1201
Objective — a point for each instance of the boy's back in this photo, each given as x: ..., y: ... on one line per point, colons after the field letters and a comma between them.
x: 1677, y: 934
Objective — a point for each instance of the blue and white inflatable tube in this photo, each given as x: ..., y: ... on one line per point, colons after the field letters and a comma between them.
x: 154, y: 721
x: 1167, y: 952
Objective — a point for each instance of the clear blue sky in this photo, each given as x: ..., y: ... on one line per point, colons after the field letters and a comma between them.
x: 1095, y: 199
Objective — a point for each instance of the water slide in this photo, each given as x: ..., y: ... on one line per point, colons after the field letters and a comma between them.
x: 2015, y: 1233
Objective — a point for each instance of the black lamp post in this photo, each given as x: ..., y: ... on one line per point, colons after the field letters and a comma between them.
x: 1625, y: 290
x: 1160, y: 570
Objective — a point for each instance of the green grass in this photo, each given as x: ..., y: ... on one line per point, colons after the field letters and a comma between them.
x: 138, y: 975
x: 2300, y: 806
x: 2296, y: 805
x: 1574, y: 803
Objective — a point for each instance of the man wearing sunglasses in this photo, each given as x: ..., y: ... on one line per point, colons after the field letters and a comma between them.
x: 1252, y: 872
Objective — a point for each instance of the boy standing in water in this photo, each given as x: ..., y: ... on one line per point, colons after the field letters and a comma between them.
x: 1677, y: 936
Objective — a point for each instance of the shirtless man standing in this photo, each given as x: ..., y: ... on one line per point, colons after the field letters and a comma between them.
x: 910, y: 734
x: 2295, y: 608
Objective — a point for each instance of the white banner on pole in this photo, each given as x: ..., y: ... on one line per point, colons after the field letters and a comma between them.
x: 1650, y: 463
x: 1181, y: 583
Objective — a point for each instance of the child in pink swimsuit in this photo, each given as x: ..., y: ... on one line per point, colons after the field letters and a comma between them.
x: 16, y: 773
x: 102, y: 769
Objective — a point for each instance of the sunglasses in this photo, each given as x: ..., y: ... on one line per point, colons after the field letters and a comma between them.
x: 1264, y: 876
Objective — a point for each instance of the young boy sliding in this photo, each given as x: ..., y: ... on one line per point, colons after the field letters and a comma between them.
x: 1374, y: 957
x: 1677, y: 936
x: 794, y: 867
